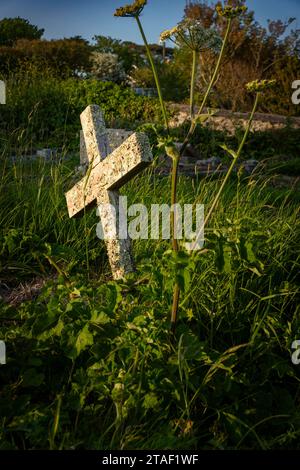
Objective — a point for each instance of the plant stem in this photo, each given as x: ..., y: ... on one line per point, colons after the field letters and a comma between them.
x: 176, y: 291
x: 174, y: 180
x: 155, y: 74
x: 174, y: 174
x: 211, y: 84
x: 176, y: 297
x: 193, y: 81
x: 234, y: 160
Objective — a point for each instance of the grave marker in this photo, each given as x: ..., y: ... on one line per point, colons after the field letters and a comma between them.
x: 108, y: 172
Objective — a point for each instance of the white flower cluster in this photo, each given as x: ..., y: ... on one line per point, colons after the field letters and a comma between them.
x: 191, y: 33
x: 107, y: 67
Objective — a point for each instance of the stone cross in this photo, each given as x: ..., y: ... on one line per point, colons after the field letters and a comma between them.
x: 114, y: 138
x: 107, y: 173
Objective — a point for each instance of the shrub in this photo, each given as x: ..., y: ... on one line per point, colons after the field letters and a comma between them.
x: 45, y: 108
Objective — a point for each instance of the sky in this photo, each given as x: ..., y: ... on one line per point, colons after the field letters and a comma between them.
x: 66, y: 18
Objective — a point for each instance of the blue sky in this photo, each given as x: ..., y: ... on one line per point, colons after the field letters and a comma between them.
x: 64, y: 18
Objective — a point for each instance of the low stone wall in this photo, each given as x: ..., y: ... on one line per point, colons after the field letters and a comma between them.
x: 228, y: 121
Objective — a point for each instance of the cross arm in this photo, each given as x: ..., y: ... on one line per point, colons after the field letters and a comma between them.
x: 111, y: 173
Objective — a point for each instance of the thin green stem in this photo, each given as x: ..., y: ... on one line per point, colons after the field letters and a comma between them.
x: 228, y: 174
x: 218, y: 65
x: 174, y: 175
x: 176, y: 298
x: 176, y: 291
x: 174, y: 180
x: 211, y: 84
x: 193, y: 82
x: 155, y: 74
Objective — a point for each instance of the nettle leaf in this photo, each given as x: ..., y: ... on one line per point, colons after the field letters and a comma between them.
x: 100, y: 318
x: 84, y: 339
x: 166, y: 145
x: 45, y: 322
x: 113, y: 296
x: 230, y: 151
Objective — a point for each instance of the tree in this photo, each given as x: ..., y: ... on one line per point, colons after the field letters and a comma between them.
x: 63, y: 57
x: 253, y: 52
x: 12, y: 29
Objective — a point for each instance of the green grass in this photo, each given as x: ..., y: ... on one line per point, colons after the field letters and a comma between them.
x: 90, y: 361
x: 289, y: 167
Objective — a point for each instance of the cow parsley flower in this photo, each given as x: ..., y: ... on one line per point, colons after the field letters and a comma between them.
x: 192, y: 34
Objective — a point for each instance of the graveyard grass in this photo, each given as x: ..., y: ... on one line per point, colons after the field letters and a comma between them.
x: 91, y: 364
x: 90, y: 360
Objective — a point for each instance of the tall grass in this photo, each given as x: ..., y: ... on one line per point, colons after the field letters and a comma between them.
x: 90, y: 353
x: 227, y: 383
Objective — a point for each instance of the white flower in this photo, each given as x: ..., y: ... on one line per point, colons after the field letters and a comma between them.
x: 192, y: 34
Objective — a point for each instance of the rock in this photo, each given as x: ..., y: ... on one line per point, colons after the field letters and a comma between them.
x: 249, y: 165
x: 47, y: 154
x: 212, y: 162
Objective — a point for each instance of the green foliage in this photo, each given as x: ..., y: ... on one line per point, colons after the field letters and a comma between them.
x: 254, y: 52
x: 12, y: 29
x: 90, y: 364
x: 290, y: 167
x: 42, y: 108
x: 63, y: 57
x: 172, y: 80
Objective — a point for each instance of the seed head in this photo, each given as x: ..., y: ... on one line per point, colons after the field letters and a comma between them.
x: 132, y: 10
x: 230, y: 12
x: 258, y: 86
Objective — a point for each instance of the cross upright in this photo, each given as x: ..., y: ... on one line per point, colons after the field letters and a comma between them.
x: 106, y: 174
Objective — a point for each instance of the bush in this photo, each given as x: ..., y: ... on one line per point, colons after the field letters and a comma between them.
x: 46, y: 109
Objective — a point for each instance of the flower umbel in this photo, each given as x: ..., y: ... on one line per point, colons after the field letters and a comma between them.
x: 258, y: 86
x: 131, y: 11
x: 192, y: 34
x: 231, y: 12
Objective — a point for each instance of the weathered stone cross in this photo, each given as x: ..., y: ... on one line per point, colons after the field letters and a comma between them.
x: 107, y: 173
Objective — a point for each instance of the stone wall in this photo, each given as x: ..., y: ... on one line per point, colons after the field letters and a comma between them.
x: 228, y: 121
